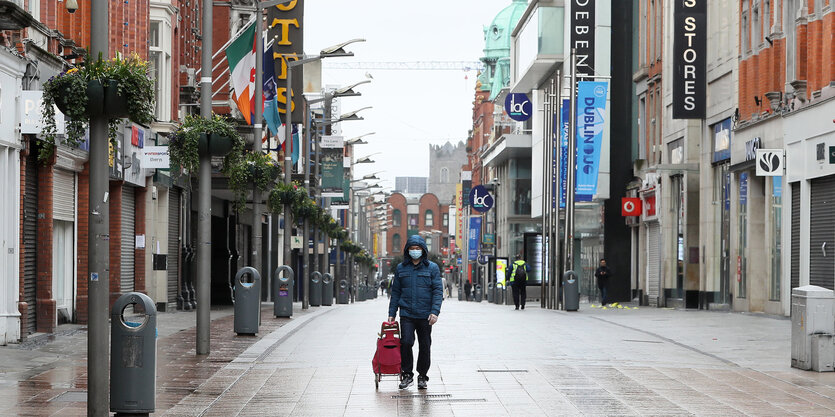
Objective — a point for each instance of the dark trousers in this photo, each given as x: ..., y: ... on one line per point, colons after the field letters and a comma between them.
x: 602, y: 284
x: 408, y: 328
x: 520, y: 292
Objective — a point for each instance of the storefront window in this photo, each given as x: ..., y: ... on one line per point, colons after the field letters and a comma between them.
x: 519, y: 173
x: 678, y: 205
x: 776, y: 237
x: 742, y: 220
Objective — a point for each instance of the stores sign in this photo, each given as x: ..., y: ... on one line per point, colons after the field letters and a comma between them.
x: 689, y: 50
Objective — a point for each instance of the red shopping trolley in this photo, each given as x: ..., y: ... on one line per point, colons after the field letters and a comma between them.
x: 386, y: 360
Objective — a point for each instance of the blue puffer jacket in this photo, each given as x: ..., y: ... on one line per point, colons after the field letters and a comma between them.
x: 417, y: 290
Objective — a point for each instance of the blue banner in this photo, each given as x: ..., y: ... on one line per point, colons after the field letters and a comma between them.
x: 743, y: 188
x: 565, y: 116
x: 591, y: 119
x: 474, y: 237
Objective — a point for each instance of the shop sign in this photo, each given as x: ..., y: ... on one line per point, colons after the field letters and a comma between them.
x: 751, y: 147
x: 689, y: 58
x: 649, y: 205
x: 32, y: 114
x: 286, y: 26
x: 480, y: 199
x: 582, y: 35
x: 630, y: 206
x: 769, y: 162
x: 518, y: 106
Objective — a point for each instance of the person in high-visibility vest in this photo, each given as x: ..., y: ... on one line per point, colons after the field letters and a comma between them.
x: 518, y: 281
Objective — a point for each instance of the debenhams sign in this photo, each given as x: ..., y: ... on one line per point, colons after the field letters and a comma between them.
x: 689, y: 50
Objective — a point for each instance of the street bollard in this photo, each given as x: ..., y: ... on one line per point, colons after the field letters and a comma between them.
x: 133, y: 355
x: 342, y: 292
x: 315, y: 289
x: 283, y: 292
x: 327, y: 289
x: 479, y: 293
x: 491, y: 292
x: 570, y: 291
x: 247, y: 301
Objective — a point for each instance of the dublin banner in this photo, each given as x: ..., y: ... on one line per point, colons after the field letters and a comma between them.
x: 565, y: 115
x: 591, y: 115
x: 474, y: 237
x: 332, y: 168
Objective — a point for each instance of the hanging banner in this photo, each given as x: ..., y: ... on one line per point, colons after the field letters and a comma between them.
x: 474, y: 237
x: 332, y: 169
x: 591, y: 113
x: 565, y: 116
x: 286, y: 23
x: 689, y: 59
x: 459, y: 216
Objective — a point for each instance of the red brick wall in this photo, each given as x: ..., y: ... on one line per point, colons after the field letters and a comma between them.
x: 429, y: 202
x: 83, y: 250
x: 398, y: 202
x: 45, y: 304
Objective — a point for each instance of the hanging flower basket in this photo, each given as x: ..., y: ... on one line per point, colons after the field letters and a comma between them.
x: 115, y: 88
x: 252, y: 169
x: 196, y: 135
x: 215, y: 144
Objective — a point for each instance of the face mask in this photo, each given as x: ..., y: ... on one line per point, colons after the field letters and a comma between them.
x: 415, y: 253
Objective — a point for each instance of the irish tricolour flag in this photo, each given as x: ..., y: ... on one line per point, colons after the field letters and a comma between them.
x: 241, y: 57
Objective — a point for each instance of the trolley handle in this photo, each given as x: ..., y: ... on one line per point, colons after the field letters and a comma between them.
x: 390, y: 325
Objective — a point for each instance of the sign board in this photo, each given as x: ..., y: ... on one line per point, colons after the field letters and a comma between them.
x: 480, y: 199
x: 518, y: 106
x: 332, y: 166
x: 582, y: 35
x: 489, y: 239
x: 286, y: 26
x: 501, y: 269
x: 296, y: 242
x: 32, y: 114
x: 832, y: 154
x: 689, y: 58
x: 770, y: 162
x: 156, y: 157
x: 630, y: 206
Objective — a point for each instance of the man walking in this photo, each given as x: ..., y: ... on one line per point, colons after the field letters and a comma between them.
x: 519, y: 281
x: 603, y: 274
x: 418, y: 292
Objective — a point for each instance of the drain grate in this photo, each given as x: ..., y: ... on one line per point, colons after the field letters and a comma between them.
x: 421, y: 396
x: 457, y: 400
x: 71, y: 397
x: 502, y: 370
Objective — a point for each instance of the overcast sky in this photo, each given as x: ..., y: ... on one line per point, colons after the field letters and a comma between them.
x: 411, y: 109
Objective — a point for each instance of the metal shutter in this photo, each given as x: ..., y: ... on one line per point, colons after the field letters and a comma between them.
x: 30, y: 239
x: 63, y: 195
x: 173, y: 270
x: 128, y: 238
x: 795, y: 235
x: 822, y: 233
x: 653, y: 262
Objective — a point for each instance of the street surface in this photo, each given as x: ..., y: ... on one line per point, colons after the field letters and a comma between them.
x: 487, y: 360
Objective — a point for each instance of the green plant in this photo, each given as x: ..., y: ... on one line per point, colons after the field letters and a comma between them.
x: 80, y: 93
x: 184, y: 144
x: 252, y: 169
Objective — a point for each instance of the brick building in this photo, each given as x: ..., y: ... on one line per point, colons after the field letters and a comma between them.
x: 424, y: 216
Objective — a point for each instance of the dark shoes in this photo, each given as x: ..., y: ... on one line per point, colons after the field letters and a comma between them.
x: 406, y: 381
x: 422, y: 381
x: 517, y: 307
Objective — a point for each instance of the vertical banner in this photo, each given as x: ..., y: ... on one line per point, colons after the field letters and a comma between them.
x: 591, y: 112
x: 565, y: 116
x: 332, y: 169
x: 582, y: 35
x: 689, y: 59
x: 459, y: 216
x: 286, y: 23
x: 474, y: 237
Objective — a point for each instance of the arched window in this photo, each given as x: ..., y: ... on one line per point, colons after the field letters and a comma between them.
x: 430, y: 218
x: 395, y: 243
x: 395, y: 218
x: 444, y: 175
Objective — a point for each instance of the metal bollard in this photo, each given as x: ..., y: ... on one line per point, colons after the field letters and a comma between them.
x: 327, y: 289
x: 342, y: 292
x: 247, y: 301
x: 491, y: 292
x: 315, y: 289
x: 133, y: 355
x: 283, y: 292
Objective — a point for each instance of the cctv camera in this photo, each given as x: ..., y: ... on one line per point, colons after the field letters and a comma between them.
x: 72, y: 6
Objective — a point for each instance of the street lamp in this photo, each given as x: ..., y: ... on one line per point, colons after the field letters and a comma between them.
x: 333, y: 51
x: 358, y: 140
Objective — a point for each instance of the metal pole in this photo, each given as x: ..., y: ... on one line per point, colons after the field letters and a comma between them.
x: 204, y: 197
x: 306, y: 233
x: 98, y: 377
x: 546, y: 185
x: 288, y: 166
x: 257, y: 223
x: 572, y: 146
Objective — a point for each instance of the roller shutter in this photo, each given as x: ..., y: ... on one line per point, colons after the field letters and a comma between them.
x: 30, y: 239
x: 795, y: 235
x: 128, y: 238
x: 63, y: 195
x: 173, y: 270
x: 822, y: 233
x: 653, y: 262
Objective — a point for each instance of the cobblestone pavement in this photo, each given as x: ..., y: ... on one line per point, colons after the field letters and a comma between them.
x: 487, y: 360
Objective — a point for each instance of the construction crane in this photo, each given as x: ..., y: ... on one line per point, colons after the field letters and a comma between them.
x: 409, y: 65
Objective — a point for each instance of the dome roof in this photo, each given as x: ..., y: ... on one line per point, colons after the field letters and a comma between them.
x: 497, y: 34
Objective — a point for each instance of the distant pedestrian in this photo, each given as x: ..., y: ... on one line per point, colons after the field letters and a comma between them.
x: 383, y: 285
x: 417, y: 291
x: 603, y: 274
x: 468, y: 289
x: 519, y: 281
